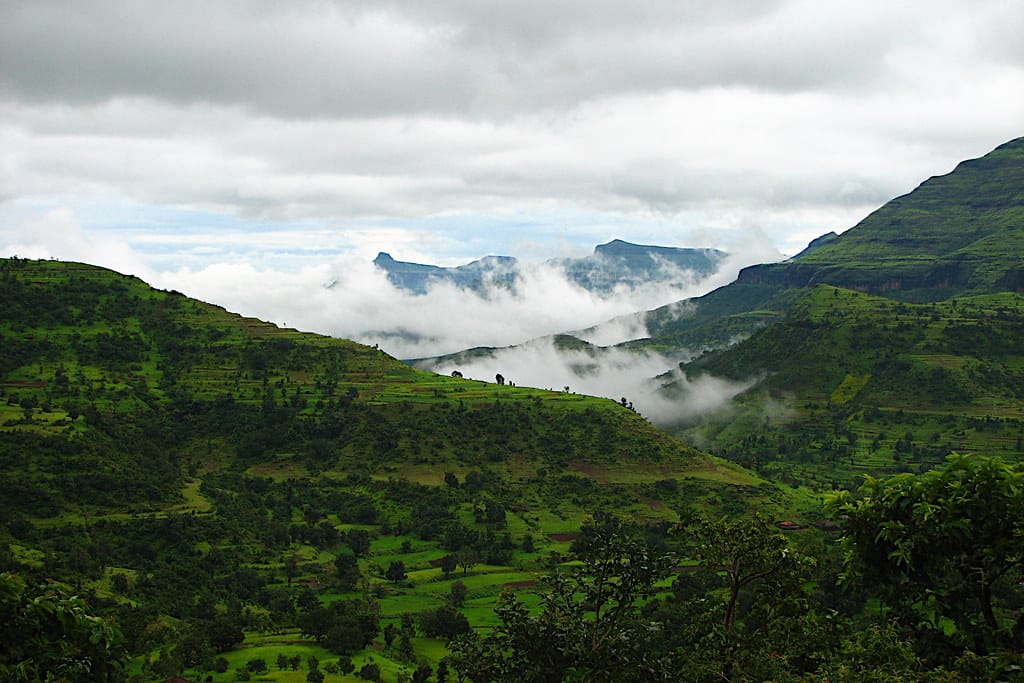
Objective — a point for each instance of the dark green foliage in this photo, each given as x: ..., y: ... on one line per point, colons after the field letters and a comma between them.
x: 444, y: 622
x: 859, y: 383
x: 46, y: 633
x: 943, y: 547
x: 343, y: 627
x: 457, y: 594
x: 359, y: 541
x: 589, y: 625
x: 395, y: 571
x: 370, y: 672
x: 346, y: 571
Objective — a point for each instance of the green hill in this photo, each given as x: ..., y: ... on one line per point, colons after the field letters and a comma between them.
x: 878, y: 350
x: 208, y: 479
x: 852, y: 383
x: 955, y: 235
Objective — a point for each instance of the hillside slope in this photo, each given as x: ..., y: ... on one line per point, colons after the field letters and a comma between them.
x: 955, y: 235
x: 849, y: 383
x: 210, y: 480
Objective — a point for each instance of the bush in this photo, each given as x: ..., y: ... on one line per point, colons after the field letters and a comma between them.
x: 256, y: 665
x: 370, y: 672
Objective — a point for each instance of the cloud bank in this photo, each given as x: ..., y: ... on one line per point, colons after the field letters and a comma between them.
x: 461, y: 129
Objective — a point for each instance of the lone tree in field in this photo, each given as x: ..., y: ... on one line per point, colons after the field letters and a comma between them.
x: 396, y: 571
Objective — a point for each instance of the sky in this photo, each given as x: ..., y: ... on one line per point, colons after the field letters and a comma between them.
x: 250, y: 153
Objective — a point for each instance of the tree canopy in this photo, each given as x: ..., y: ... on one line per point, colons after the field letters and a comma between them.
x: 943, y: 550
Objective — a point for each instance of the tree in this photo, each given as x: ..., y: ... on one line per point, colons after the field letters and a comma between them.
x: 528, y: 546
x: 752, y: 603
x: 48, y: 634
x: 590, y: 624
x: 494, y: 513
x: 467, y: 558
x: 444, y: 622
x: 314, y: 675
x: 449, y: 564
x: 396, y: 571
x: 359, y: 541
x: 291, y: 568
x: 749, y: 553
x: 224, y: 633
x: 943, y: 548
x: 457, y: 594
x: 346, y: 571
x: 370, y: 672
x: 258, y: 665
x: 342, y: 627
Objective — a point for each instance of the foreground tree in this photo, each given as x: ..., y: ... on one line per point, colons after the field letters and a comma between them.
x: 48, y: 634
x: 590, y: 626
x: 744, y: 611
x: 943, y: 548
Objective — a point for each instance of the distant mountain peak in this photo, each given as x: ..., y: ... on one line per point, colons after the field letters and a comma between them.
x: 614, y: 263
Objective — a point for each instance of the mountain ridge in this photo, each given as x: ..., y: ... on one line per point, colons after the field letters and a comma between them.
x: 956, y: 234
x: 612, y: 264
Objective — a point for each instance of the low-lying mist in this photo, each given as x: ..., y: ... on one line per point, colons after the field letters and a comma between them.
x: 349, y: 297
x: 354, y: 299
x: 617, y: 374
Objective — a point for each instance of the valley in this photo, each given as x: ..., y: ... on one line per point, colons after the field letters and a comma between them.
x: 220, y: 498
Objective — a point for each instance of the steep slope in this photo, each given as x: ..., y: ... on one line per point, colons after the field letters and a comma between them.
x: 85, y: 349
x: 957, y: 234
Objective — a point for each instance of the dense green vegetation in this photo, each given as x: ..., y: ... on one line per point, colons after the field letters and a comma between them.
x: 853, y: 384
x: 879, y: 350
x: 229, y: 492
x: 932, y: 578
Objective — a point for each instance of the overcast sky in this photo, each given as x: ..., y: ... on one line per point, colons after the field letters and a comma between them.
x: 191, y: 142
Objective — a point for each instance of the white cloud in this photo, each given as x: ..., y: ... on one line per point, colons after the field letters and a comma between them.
x: 351, y: 298
x: 57, y: 234
x: 611, y: 373
x: 796, y: 116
